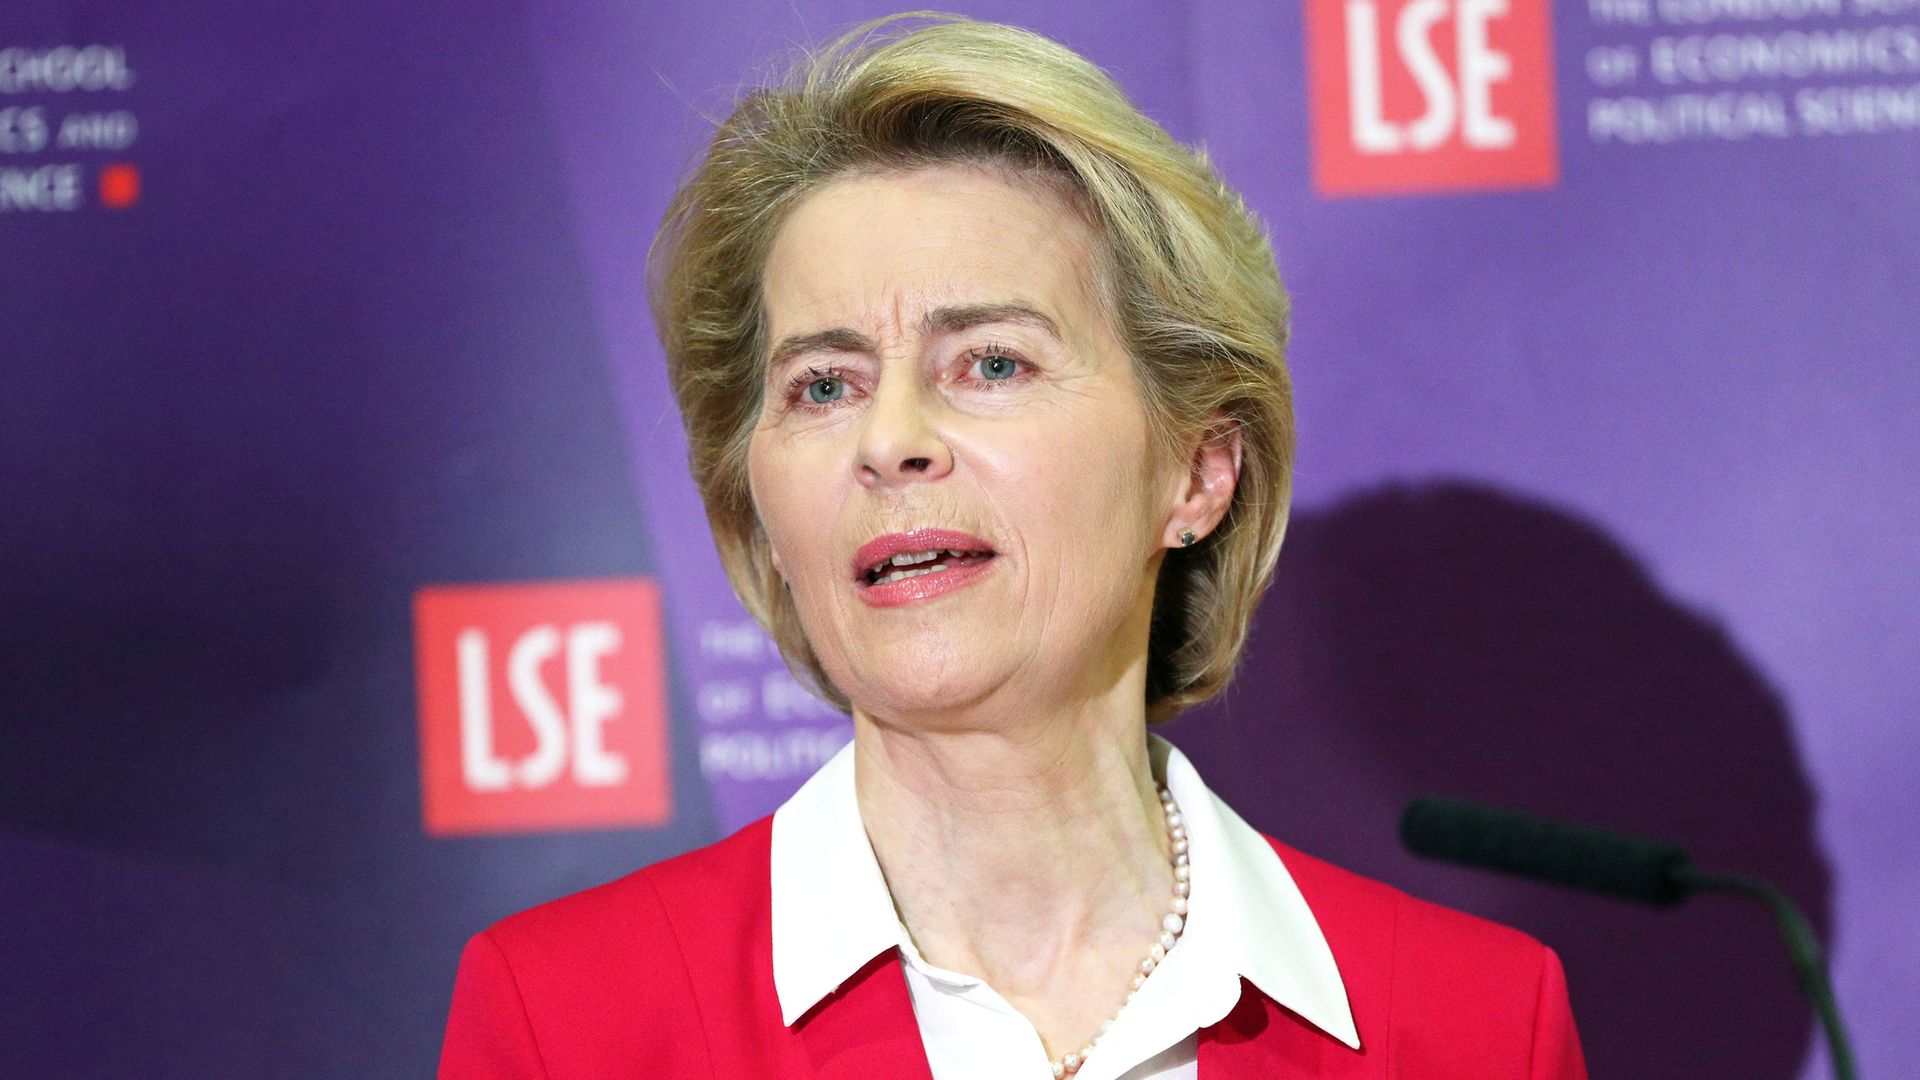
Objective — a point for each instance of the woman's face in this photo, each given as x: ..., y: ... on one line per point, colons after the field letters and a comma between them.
x: 942, y: 381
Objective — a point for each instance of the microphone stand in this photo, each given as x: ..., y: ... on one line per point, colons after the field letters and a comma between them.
x: 1809, y: 966
x: 1613, y: 864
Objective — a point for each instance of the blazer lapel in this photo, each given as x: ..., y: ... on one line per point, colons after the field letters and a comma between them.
x: 866, y: 1029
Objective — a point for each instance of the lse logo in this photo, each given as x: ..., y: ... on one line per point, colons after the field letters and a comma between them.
x: 542, y: 706
x: 1430, y: 95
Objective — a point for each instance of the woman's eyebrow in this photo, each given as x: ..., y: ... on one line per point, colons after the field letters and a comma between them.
x: 941, y: 320
x: 838, y: 339
x: 947, y: 320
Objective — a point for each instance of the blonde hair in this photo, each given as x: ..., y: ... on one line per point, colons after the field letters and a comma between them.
x: 1188, y: 279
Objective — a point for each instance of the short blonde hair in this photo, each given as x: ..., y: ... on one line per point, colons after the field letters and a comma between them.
x: 1187, y: 278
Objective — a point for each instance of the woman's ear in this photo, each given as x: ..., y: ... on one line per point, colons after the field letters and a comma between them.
x: 1213, y: 471
x: 761, y: 542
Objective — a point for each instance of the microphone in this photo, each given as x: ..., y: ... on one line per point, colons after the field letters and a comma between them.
x: 1613, y: 864
x: 1629, y: 867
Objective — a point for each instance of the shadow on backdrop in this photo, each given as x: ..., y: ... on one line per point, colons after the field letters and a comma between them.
x: 1454, y: 639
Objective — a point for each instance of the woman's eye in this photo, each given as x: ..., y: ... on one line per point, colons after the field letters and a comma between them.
x: 826, y: 390
x: 995, y: 368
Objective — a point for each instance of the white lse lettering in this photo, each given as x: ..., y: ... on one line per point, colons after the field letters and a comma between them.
x: 574, y: 734
x: 1458, y: 100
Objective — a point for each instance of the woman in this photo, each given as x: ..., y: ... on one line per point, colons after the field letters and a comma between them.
x: 983, y: 378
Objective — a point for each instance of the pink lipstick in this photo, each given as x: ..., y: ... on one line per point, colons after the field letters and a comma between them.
x: 900, y: 568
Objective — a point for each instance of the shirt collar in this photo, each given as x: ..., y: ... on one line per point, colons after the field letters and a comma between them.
x: 1248, y: 916
x: 832, y: 912
x: 831, y: 909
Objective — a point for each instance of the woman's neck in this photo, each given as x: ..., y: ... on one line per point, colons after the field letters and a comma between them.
x: 1033, y: 856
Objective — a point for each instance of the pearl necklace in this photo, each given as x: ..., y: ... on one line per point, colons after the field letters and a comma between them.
x: 1170, y: 930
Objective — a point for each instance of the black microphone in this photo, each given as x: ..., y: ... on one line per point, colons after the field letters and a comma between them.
x: 1616, y: 864
x: 1630, y: 867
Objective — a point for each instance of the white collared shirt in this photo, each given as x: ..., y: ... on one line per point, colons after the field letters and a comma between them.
x: 832, y: 914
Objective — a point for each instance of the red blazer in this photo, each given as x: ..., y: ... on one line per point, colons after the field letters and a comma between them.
x: 668, y: 972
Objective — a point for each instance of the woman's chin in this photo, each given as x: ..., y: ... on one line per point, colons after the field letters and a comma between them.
x: 916, y: 694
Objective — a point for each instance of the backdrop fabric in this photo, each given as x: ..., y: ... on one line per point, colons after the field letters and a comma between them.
x: 354, y: 593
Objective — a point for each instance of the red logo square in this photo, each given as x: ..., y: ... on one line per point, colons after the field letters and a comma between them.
x: 1430, y: 95
x: 542, y: 706
x: 119, y: 186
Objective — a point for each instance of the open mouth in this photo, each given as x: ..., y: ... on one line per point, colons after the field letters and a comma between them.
x: 905, y: 565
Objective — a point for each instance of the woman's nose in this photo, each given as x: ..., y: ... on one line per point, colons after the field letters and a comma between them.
x: 899, y: 442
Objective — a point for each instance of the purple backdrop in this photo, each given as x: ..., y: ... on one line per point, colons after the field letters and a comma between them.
x: 1606, y: 506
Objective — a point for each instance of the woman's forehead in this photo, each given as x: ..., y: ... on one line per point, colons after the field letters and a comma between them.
x: 893, y: 247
